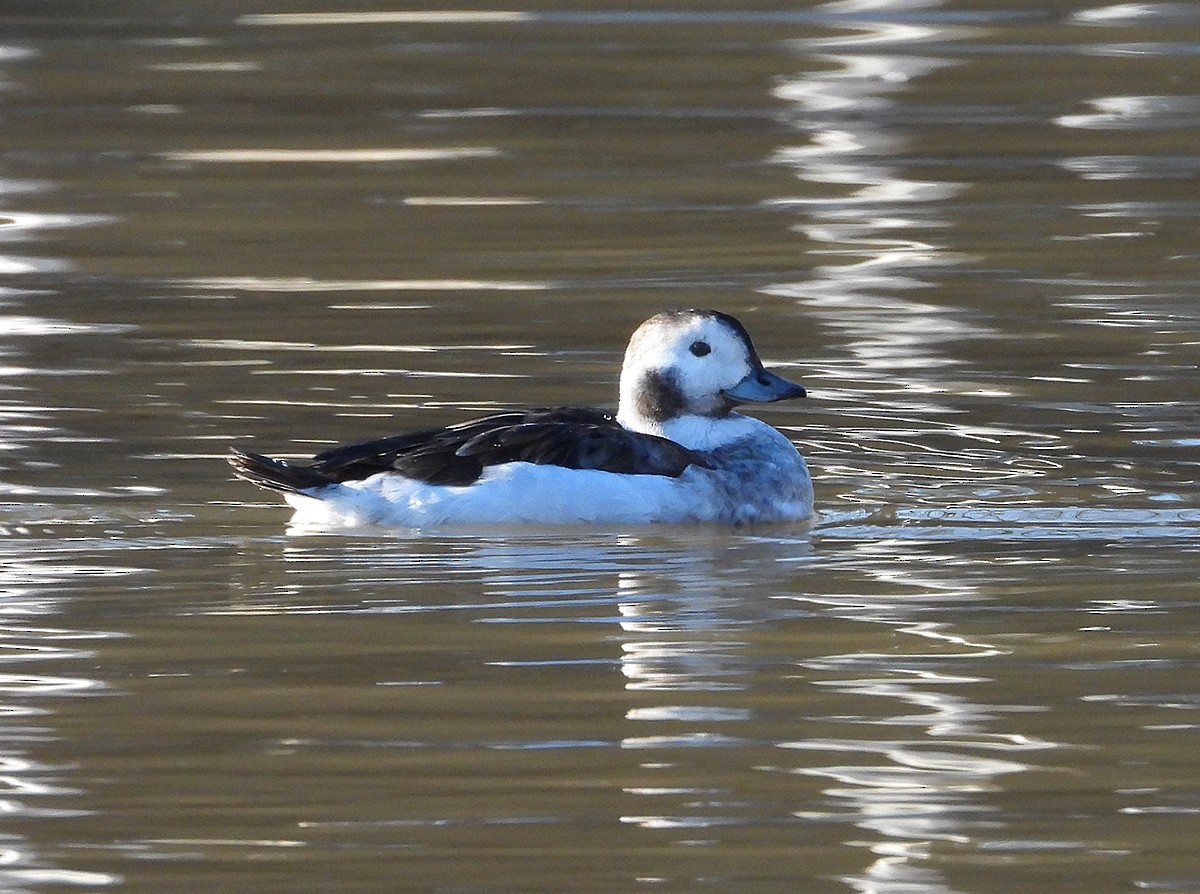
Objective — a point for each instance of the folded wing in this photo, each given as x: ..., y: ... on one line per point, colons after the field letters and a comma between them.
x: 560, y: 436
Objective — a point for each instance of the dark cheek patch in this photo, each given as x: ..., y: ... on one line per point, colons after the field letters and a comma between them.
x: 659, y: 396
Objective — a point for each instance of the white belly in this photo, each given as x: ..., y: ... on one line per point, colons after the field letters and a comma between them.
x: 514, y: 493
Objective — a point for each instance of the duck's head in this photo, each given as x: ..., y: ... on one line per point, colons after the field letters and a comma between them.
x: 693, y: 362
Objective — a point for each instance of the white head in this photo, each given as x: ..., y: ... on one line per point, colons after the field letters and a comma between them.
x: 693, y: 363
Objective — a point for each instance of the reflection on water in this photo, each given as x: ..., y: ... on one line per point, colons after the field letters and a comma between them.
x: 881, y: 231
x: 1137, y: 113
x: 913, y: 792
x: 30, y: 694
x: 326, y: 156
x: 1041, y: 523
x: 257, y: 284
x: 684, y: 620
x: 969, y: 230
x: 1120, y: 14
x: 415, y: 17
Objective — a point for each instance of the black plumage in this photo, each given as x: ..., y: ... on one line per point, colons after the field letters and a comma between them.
x: 570, y: 437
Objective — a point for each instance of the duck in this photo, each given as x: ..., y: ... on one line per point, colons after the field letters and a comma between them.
x: 675, y: 451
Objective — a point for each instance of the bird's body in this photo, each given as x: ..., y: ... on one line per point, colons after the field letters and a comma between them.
x: 674, y: 452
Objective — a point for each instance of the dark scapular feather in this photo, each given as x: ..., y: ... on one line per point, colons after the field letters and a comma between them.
x: 569, y: 437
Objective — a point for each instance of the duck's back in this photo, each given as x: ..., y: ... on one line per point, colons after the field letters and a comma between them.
x: 570, y: 437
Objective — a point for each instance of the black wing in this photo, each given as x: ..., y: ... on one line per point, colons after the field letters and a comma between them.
x: 560, y: 436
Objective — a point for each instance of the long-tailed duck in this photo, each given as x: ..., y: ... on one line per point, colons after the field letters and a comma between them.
x: 674, y: 452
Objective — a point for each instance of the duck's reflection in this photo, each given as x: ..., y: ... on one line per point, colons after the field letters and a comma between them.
x: 679, y: 638
x: 838, y: 692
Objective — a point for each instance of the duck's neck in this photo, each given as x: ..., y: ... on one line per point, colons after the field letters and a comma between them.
x: 695, y: 432
x: 631, y: 420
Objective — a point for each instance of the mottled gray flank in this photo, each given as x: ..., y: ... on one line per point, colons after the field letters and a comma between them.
x: 753, y: 479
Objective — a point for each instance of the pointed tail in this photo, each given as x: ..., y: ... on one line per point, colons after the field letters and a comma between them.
x: 275, y: 474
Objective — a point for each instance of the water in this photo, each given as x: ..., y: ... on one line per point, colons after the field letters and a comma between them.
x: 970, y: 230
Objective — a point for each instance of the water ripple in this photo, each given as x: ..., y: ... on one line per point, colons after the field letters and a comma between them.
x: 1137, y: 113
x: 1023, y: 524
x: 31, y: 584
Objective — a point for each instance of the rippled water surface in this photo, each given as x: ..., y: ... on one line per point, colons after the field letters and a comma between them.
x: 970, y: 229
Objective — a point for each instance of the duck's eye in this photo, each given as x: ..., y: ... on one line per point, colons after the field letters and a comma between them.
x: 700, y: 348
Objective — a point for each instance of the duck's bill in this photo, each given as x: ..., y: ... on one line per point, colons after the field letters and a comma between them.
x: 763, y: 387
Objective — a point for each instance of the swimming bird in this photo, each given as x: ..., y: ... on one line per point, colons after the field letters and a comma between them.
x: 675, y: 451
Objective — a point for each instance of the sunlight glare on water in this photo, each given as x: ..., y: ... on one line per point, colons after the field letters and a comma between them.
x: 969, y: 232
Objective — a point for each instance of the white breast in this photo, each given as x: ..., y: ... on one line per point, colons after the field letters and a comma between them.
x: 706, y: 433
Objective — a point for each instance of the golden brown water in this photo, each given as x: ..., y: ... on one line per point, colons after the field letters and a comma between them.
x: 970, y: 230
